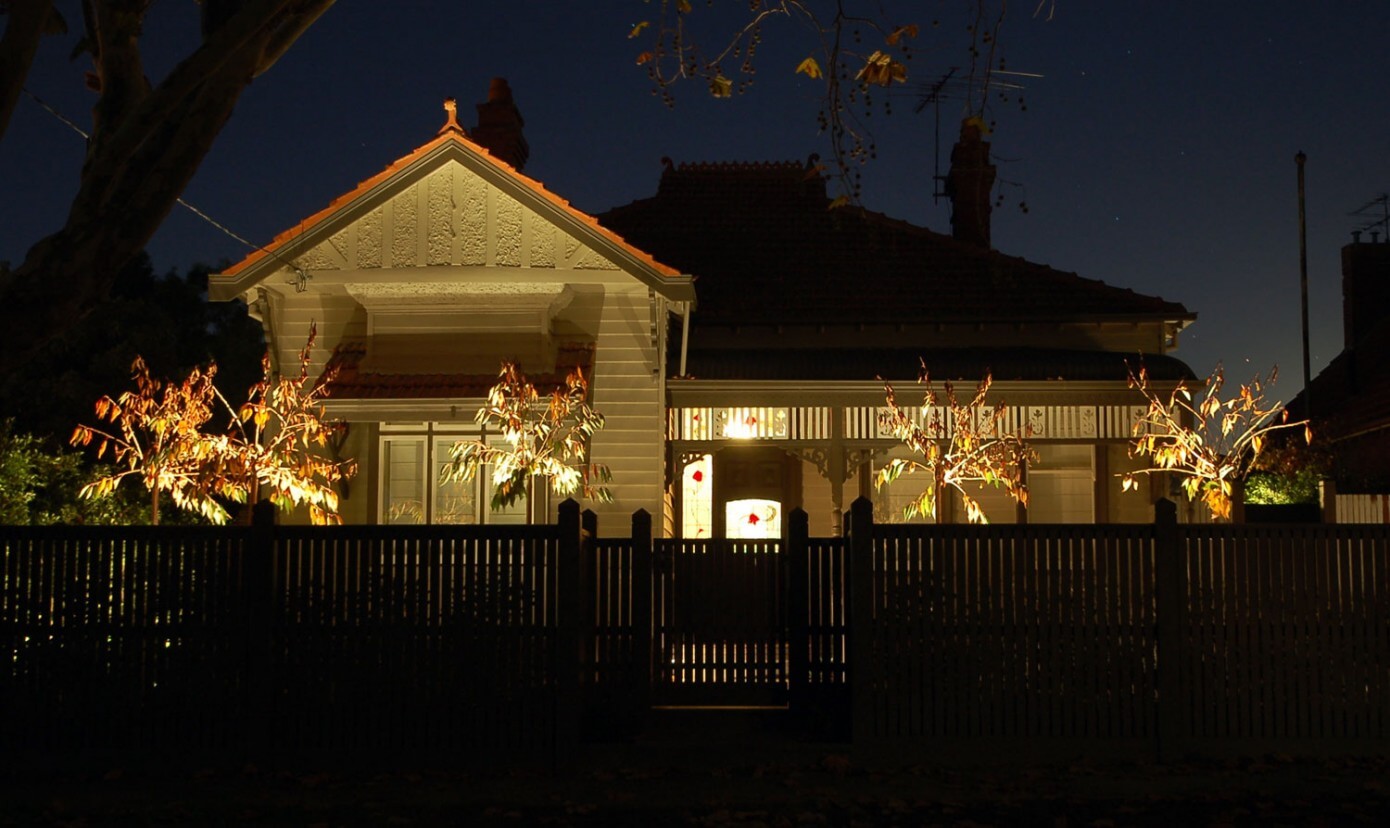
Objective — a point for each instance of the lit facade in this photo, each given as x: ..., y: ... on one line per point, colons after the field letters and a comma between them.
x: 729, y: 400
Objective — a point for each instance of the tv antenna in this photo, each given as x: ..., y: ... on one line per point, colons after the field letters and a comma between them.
x: 951, y: 86
x: 1374, y: 216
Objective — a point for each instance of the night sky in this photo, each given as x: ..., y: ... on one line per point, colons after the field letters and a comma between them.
x: 1156, y: 152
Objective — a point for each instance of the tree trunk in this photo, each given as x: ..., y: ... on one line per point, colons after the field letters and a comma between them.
x: 530, y: 500
x: 145, y: 148
x: 941, y: 505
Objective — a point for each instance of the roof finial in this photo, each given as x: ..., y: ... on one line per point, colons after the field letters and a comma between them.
x: 452, y: 124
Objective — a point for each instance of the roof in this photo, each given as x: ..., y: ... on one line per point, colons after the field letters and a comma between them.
x: 767, y: 248
x: 903, y: 364
x: 1352, y: 394
x: 351, y: 383
x: 451, y: 140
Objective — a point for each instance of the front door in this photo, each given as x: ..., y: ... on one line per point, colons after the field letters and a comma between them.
x: 754, y: 487
x: 719, y: 604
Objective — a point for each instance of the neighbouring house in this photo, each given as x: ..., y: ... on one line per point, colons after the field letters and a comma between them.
x: 734, y: 325
x: 1348, y: 401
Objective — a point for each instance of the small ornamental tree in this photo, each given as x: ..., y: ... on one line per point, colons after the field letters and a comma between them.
x: 546, y: 439
x: 956, y: 445
x: 157, y: 438
x: 1209, y: 442
x: 273, y: 445
x: 280, y: 442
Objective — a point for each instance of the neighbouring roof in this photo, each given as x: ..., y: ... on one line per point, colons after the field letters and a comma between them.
x: 766, y: 248
x: 351, y: 383
x: 1350, y: 401
x: 451, y: 140
x: 1352, y: 394
x: 902, y: 364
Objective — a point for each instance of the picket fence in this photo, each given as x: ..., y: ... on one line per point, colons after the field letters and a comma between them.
x: 458, y: 645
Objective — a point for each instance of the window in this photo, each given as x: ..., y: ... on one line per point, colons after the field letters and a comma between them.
x: 998, y: 505
x: 891, y: 501
x: 1061, y: 484
x: 753, y: 519
x: 697, y: 500
x: 411, y: 492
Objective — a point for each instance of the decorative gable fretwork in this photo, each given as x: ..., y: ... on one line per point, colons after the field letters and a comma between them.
x: 451, y: 217
x: 1046, y: 422
x: 750, y: 423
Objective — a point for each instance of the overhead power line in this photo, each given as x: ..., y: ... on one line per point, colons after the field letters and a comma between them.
x: 299, y: 271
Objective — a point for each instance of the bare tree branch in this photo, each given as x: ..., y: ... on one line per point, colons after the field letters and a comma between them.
x: 147, y: 147
x: 27, y: 21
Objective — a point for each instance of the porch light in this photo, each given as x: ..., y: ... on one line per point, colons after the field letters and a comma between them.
x: 751, y: 423
x: 744, y: 429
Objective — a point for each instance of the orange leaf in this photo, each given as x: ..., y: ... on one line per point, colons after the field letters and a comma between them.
x: 810, y: 68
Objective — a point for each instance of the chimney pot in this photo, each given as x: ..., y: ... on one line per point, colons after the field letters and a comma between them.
x: 969, y: 184
x: 499, y: 125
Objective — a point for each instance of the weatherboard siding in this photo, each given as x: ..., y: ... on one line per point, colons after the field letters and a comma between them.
x: 334, y: 318
x: 627, y: 388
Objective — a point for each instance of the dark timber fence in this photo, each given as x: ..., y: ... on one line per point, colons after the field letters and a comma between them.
x: 458, y: 643
x: 468, y: 644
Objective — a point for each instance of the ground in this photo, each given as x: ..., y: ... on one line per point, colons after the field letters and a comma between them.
x: 809, y: 790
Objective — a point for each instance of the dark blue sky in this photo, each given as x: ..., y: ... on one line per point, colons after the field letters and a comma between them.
x: 1155, y: 153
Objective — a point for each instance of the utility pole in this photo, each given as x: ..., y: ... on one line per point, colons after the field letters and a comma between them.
x: 1300, y: 159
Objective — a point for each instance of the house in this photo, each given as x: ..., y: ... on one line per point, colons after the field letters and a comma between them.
x: 735, y: 326
x: 426, y: 275
x: 1349, y: 400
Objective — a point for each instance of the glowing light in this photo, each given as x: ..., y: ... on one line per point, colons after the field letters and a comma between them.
x: 697, y: 502
x: 753, y: 519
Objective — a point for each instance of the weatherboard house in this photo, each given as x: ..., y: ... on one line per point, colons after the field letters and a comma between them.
x: 734, y: 327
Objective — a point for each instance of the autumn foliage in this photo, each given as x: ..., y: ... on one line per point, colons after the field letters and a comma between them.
x: 1209, y: 442
x: 276, y: 445
x: 546, y: 438
x: 955, y: 445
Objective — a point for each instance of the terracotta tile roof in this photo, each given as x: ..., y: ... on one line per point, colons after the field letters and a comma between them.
x: 901, y: 364
x: 765, y: 248
x: 350, y: 383
x: 451, y: 133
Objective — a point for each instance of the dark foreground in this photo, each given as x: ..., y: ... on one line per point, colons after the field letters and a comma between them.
x: 819, y: 788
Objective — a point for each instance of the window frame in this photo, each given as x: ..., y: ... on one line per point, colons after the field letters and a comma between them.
x: 437, y: 439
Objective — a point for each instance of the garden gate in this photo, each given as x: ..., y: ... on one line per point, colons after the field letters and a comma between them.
x: 719, y: 622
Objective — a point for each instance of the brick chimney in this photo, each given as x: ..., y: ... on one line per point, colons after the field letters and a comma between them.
x: 1365, y: 289
x: 499, y: 125
x: 969, y: 184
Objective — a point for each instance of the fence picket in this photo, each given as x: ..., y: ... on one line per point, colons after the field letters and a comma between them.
x: 367, y: 638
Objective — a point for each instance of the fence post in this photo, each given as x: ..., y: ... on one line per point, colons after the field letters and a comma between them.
x: 795, y: 554
x: 1327, y: 493
x: 588, y: 653
x: 569, y: 626
x: 861, y: 592
x: 642, y: 584
x: 1170, y: 603
x: 1237, y: 501
x: 258, y: 584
